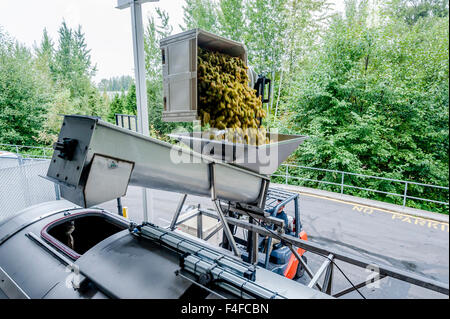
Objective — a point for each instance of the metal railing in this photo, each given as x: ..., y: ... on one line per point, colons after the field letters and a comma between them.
x: 342, y: 185
x: 26, y: 151
x: 46, y: 152
x: 126, y: 121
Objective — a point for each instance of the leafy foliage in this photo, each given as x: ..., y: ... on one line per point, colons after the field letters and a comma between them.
x: 376, y: 101
x: 38, y: 87
x: 71, y: 67
x: 156, y: 30
x: 370, y: 87
x: 412, y: 11
x: 199, y: 14
x: 230, y: 16
x: 116, y: 83
x: 23, y: 98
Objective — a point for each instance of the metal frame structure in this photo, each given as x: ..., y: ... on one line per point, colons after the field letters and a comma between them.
x: 327, y: 268
x: 166, y: 264
x: 273, y: 196
x: 220, y: 212
x: 129, y: 118
x: 342, y: 185
x: 208, y: 268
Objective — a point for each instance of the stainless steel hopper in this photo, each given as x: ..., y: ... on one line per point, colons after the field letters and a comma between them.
x: 263, y: 159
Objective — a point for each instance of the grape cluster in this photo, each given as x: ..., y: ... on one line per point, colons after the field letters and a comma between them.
x: 225, y: 101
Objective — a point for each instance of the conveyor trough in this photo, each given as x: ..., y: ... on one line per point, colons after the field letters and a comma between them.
x: 95, y: 161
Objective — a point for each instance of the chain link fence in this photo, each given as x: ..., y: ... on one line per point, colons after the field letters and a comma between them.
x: 21, y: 186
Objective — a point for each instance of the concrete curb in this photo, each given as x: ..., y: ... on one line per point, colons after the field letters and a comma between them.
x: 367, y: 202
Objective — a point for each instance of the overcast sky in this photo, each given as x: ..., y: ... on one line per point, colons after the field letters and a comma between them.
x: 107, y: 29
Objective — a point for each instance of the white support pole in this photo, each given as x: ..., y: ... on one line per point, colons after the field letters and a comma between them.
x: 141, y: 87
x: 279, y: 91
x: 139, y: 67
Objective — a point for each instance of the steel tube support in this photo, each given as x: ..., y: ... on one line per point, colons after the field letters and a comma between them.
x: 213, y: 232
x: 268, y: 251
x: 173, y: 224
x: 200, y: 225
x: 321, y: 270
x: 190, y: 215
x: 250, y: 246
x: 298, y: 225
x: 255, y: 249
x: 305, y: 265
x: 287, y: 174
x: 226, y: 229
x: 119, y: 206
x: 404, y: 194
x: 328, y: 280
x: 360, y: 285
x: 349, y: 258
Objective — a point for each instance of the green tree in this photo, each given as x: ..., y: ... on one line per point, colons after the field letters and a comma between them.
x: 44, y: 53
x: 61, y: 103
x: 305, y: 21
x: 129, y: 105
x: 156, y: 30
x: 231, y: 19
x: 411, y: 11
x: 67, y: 68
x: 23, y: 98
x: 375, y: 99
x: 266, y: 22
x: 72, y: 66
x: 116, y: 84
x: 116, y: 106
x: 199, y: 14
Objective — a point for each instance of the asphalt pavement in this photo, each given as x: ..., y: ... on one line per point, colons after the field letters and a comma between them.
x: 414, y: 244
